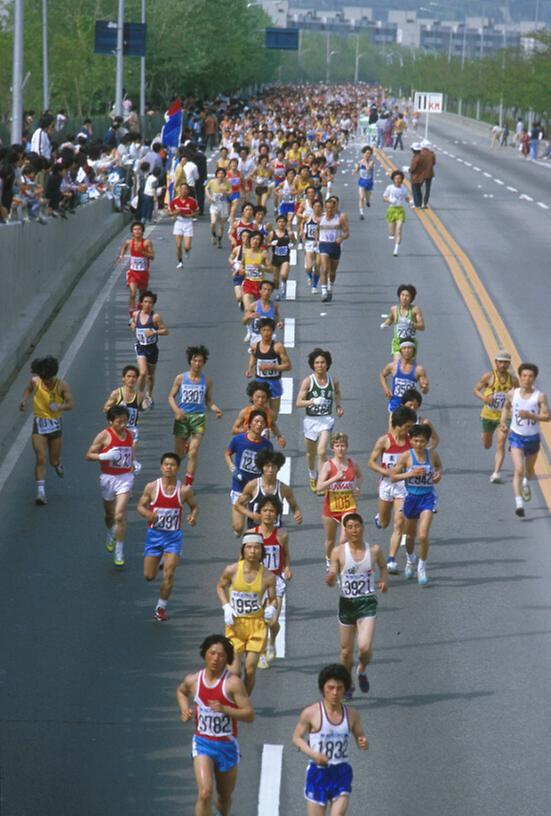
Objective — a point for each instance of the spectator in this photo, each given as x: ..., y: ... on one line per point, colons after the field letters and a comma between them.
x: 114, y: 133
x: 517, y: 136
x: 153, y: 157
x: 536, y: 134
x: 422, y: 173
x: 211, y: 129
x: 60, y: 120
x: 86, y: 132
x: 151, y: 190
x: 40, y: 142
x: 400, y: 128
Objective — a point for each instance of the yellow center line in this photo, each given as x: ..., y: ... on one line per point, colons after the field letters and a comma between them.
x: 489, y: 323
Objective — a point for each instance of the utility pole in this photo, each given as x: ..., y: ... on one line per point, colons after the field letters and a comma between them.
x: 120, y: 60
x: 45, y: 73
x: 17, y: 75
x: 357, y: 62
x: 142, y: 72
x: 327, y: 56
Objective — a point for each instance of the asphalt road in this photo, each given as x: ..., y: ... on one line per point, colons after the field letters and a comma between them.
x: 456, y: 716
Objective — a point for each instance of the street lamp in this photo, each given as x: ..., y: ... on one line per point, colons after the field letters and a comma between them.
x: 357, y: 58
x: 17, y: 75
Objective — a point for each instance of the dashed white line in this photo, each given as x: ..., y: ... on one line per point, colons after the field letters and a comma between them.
x: 499, y: 181
x: 289, y: 332
x: 291, y: 290
x: 467, y: 164
x: 478, y: 169
x: 287, y: 396
x: 293, y: 257
x: 451, y: 155
x: 459, y: 160
x: 542, y: 205
x: 513, y: 189
x: 488, y: 175
x: 525, y: 197
x: 280, y: 638
x: 270, y: 780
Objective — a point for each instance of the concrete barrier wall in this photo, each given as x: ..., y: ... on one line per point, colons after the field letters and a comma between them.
x: 39, y: 266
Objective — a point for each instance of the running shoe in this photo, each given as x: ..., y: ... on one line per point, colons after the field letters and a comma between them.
x: 41, y: 500
x: 519, y: 511
x: 325, y: 297
x: 60, y: 470
x: 392, y: 566
x: 327, y: 564
x: 409, y: 571
x: 313, y: 485
x: 219, y: 243
x: 363, y: 682
x: 495, y: 478
x: 110, y: 542
x: 161, y: 613
x: 395, y: 253
x: 118, y: 558
x: 362, y: 217
x: 214, y: 240
x: 137, y: 467
x: 330, y: 296
x: 349, y: 693
x: 270, y: 653
x: 526, y: 490
x: 376, y: 521
x: 422, y: 578
x: 314, y: 290
x: 263, y: 663
x: 179, y: 265
x: 146, y: 403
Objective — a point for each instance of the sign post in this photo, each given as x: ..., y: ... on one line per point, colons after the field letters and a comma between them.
x: 428, y: 102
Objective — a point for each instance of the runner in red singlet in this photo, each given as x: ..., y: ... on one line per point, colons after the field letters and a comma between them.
x: 141, y: 254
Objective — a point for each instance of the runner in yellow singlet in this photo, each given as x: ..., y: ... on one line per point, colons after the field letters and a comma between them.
x: 254, y: 262
x: 492, y: 389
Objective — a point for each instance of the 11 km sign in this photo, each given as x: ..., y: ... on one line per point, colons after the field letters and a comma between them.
x: 424, y: 102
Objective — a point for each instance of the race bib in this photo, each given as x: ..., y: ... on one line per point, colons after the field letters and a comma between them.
x: 272, y: 559
x: 248, y: 461
x: 193, y: 395
x: 145, y: 339
x: 336, y: 749
x: 124, y: 458
x: 168, y: 519
x: 356, y: 585
x: 47, y: 426
x: 213, y: 723
x: 138, y: 264
x: 340, y: 501
x: 245, y: 603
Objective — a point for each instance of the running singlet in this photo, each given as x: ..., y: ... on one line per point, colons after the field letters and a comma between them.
x: 168, y: 508
x: 357, y: 576
x: 259, y: 493
x: 403, y: 327
x: 326, y: 392
x: 269, y: 356
x: 403, y: 380
x: 330, y: 229
x: 131, y: 406
x: 138, y: 261
x: 366, y: 173
x: 310, y: 229
x: 246, y: 598
x: 417, y: 485
x: 242, y: 225
x: 47, y: 420
x: 332, y: 739
x: 252, y: 263
x: 192, y: 395
x: 185, y: 207
x: 498, y: 391
x: 273, y: 560
x: 391, y: 455
x: 520, y: 426
x: 143, y: 339
x: 211, y: 724
x: 123, y: 463
x: 270, y: 312
x: 281, y: 248
x: 339, y: 497
x: 245, y: 452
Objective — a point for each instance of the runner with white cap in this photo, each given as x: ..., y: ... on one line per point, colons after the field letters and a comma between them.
x: 492, y: 389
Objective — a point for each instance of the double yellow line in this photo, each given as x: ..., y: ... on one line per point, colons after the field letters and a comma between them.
x: 489, y: 323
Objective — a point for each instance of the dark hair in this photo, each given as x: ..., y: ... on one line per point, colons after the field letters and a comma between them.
x: 257, y: 385
x: 247, y: 204
x: 319, y: 352
x: 269, y: 498
x: 352, y: 517
x: 412, y: 394
x: 263, y: 555
x: 528, y: 367
x: 133, y: 368
x: 197, y: 351
x: 266, y: 321
x: 137, y: 224
x: 397, y: 173
x: 171, y: 455
x: 407, y: 287
x: 260, y: 208
x: 420, y: 430
x: 117, y: 411
x: 257, y: 412
x: 220, y: 170
x: 148, y: 293
x: 45, y: 367
x: 267, y: 457
x: 402, y: 415
x: 269, y: 282
x: 335, y: 671
x: 223, y: 641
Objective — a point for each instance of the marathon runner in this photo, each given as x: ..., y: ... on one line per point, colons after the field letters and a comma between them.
x: 148, y: 326
x: 161, y: 505
x: 259, y: 399
x: 51, y: 397
x: 130, y: 398
x: 241, y: 591
x: 220, y: 701
x: 406, y: 373
x: 217, y: 190
x: 267, y: 361
x: 268, y: 462
x: 182, y: 209
x: 406, y: 318
x: 353, y: 563
x: 189, y: 397
x: 492, y: 389
x: 365, y: 168
x: 333, y: 230
x: 323, y: 732
x: 340, y: 479
x: 240, y: 457
x: 396, y: 196
x: 141, y: 254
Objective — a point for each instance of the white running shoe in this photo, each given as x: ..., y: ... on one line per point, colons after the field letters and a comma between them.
x: 495, y: 478
x: 526, y: 490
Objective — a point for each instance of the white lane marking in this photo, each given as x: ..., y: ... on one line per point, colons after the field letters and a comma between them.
x: 270, y: 780
x: 291, y: 290
x: 476, y: 168
x: 451, y: 155
x: 287, y: 396
x: 488, y: 175
x: 542, y: 205
x: 467, y: 164
x: 446, y: 153
x: 22, y: 438
x: 280, y: 639
x: 289, y: 332
x: 323, y: 314
x: 513, y: 189
x: 460, y: 160
x: 525, y: 197
x: 285, y: 476
x: 293, y: 257
x: 499, y: 181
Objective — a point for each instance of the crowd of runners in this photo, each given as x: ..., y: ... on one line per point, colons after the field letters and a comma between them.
x: 271, y: 196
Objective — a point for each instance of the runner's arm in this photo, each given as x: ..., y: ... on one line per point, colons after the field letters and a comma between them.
x: 381, y: 563
x: 244, y: 711
x: 434, y: 440
x: 110, y: 401
x: 302, y: 402
x: 378, y: 449
x: 281, y: 441
x: 338, y: 397
x: 123, y: 250
x: 390, y: 319
x: 241, y: 505
x: 270, y: 588
x: 285, y: 364
x: 287, y: 493
x: 229, y: 461
x: 160, y: 326
x: 148, y: 249
x: 28, y: 391
x: 418, y: 319
x: 303, y: 727
x: 178, y: 413
x: 543, y: 406
x: 209, y: 402
x: 506, y: 412
x: 183, y: 692
x: 239, y: 424
x: 357, y: 729
x: 386, y: 372
x: 480, y: 387
x: 92, y: 454
x: 145, y: 500
x: 189, y: 499
x: 437, y: 472
x: 224, y: 584
x: 345, y: 229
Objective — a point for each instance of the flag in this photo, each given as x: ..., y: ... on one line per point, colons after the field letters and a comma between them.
x: 170, y: 134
